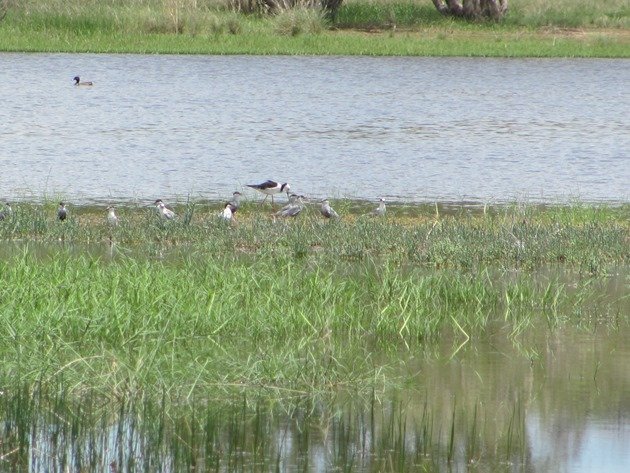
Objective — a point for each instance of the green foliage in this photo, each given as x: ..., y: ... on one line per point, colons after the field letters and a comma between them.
x: 587, y: 238
x: 299, y: 305
x: 570, y: 13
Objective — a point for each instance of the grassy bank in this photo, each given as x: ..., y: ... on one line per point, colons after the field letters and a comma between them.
x: 581, y: 29
x: 588, y: 238
x: 285, y: 307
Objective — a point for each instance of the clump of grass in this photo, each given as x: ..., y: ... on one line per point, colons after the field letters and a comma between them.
x: 296, y: 21
x: 570, y: 13
x: 382, y: 14
x: 367, y: 14
x: 196, y: 16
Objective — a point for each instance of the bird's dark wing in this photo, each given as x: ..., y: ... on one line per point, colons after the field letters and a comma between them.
x: 265, y: 185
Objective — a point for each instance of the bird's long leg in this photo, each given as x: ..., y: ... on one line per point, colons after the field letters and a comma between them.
x: 272, y: 206
x: 263, y: 201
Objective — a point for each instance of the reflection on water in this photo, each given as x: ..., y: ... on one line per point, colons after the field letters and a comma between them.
x: 172, y: 126
x: 560, y: 405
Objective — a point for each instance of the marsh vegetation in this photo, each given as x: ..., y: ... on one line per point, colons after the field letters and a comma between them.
x: 159, y: 344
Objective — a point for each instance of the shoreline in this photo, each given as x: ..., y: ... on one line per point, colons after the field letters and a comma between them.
x: 251, y: 199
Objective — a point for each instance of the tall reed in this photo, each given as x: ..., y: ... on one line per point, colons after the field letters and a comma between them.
x: 222, y: 323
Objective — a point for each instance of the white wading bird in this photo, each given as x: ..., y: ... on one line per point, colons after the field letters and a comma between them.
x: 327, y: 211
x: 112, y: 218
x: 165, y: 213
x: 381, y: 209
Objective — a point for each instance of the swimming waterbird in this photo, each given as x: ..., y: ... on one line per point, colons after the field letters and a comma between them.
x: 62, y: 212
x: 269, y: 188
x: 77, y: 81
x: 327, y: 211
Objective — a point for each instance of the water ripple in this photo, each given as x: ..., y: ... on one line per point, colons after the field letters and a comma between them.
x: 172, y: 126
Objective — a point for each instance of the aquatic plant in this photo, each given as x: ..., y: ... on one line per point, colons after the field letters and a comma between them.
x: 48, y: 429
x: 222, y: 323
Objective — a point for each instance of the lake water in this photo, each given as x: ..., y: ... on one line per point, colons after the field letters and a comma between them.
x: 410, y: 129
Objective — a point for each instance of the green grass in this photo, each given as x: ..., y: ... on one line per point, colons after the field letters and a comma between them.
x: 487, y: 43
x: 396, y: 28
x: 264, y: 323
x: 570, y: 13
x: 588, y: 238
x: 85, y: 340
x: 288, y: 306
x: 522, y: 13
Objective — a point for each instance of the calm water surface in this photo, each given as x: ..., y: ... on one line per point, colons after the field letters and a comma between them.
x: 412, y: 129
x: 566, y: 409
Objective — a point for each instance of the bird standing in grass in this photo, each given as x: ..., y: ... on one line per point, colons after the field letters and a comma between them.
x: 381, y: 209
x: 269, y: 188
x: 327, y: 211
x: 293, y: 208
x: 112, y: 218
x: 62, y: 212
x: 166, y: 214
x: 228, y: 212
x: 7, y: 212
x: 236, y: 201
x: 77, y: 81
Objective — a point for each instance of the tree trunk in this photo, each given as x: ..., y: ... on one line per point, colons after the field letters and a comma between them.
x: 472, y: 9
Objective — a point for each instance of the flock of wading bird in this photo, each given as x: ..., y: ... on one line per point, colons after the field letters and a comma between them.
x: 269, y: 188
